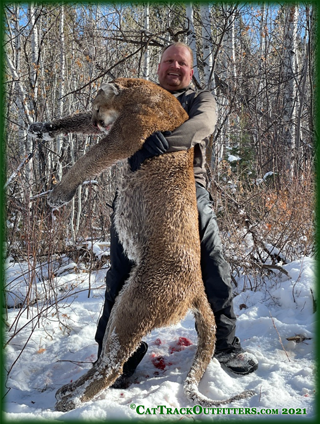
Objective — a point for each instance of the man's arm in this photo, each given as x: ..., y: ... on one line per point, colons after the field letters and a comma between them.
x: 201, y: 123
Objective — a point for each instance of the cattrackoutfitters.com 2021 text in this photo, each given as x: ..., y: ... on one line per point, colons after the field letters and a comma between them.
x: 199, y: 410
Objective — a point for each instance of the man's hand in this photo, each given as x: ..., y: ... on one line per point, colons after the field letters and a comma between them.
x: 154, y: 145
x: 42, y: 130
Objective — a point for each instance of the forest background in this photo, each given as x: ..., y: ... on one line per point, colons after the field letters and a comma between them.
x: 258, y: 61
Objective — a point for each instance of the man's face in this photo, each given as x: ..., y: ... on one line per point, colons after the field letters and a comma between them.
x: 175, y: 69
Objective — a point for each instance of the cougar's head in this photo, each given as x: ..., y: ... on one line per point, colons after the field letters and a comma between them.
x: 104, y: 113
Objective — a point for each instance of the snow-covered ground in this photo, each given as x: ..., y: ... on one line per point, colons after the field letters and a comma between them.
x: 279, y: 309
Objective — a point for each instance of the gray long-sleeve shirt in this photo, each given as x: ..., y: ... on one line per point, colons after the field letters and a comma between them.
x: 201, y: 108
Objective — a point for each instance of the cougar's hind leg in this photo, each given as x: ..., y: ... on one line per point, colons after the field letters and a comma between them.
x: 206, y: 329
x: 103, y: 373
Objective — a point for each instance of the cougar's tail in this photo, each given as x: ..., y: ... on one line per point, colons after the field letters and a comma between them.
x: 206, y: 330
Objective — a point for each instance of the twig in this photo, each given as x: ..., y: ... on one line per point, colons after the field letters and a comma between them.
x: 102, y: 74
x: 74, y: 362
x: 314, y: 302
x: 22, y: 164
x: 277, y: 267
x: 279, y: 336
x: 36, y: 196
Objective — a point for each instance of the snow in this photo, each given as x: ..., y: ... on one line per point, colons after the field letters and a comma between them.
x: 268, y: 174
x: 233, y: 158
x: 281, y: 307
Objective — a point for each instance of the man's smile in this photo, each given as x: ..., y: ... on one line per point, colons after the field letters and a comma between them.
x: 173, y: 75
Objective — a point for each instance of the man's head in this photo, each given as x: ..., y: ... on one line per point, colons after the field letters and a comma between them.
x: 175, y: 67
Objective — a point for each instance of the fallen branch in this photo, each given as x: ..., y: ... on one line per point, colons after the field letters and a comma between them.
x: 277, y: 267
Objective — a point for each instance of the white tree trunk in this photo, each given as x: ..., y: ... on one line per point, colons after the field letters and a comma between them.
x: 302, y: 68
x: 192, y: 41
x: 14, y: 66
x: 207, y: 48
x: 76, y: 211
x: 229, y: 75
x: 230, y: 52
x: 168, y: 36
x: 32, y: 13
x: 262, y: 56
x: 146, y: 70
x: 34, y: 51
x: 24, y: 102
x: 290, y: 90
x: 61, y: 86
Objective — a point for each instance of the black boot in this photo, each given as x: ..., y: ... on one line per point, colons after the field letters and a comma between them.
x: 236, y: 359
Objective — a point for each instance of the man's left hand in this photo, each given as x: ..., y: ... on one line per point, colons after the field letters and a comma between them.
x: 155, y: 145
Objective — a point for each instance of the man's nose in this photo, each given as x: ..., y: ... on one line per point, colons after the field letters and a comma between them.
x: 175, y: 64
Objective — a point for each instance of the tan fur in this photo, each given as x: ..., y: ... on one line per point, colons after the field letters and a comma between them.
x: 156, y: 218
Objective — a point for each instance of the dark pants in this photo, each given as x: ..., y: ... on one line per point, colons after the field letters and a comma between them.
x: 215, y: 273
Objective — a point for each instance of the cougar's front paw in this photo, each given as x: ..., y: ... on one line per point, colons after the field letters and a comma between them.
x: 59, y: 196
x: 41, y: 130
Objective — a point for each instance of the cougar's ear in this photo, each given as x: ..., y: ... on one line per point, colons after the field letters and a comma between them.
x: 110, y: 88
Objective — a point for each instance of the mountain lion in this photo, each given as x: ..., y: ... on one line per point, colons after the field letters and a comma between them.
x: 156, y: 218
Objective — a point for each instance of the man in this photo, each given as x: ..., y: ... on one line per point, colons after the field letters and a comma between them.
x: 175, y: 74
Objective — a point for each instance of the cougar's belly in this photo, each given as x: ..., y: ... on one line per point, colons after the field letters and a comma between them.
x: 153, y: 205
x: 129, y: 215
